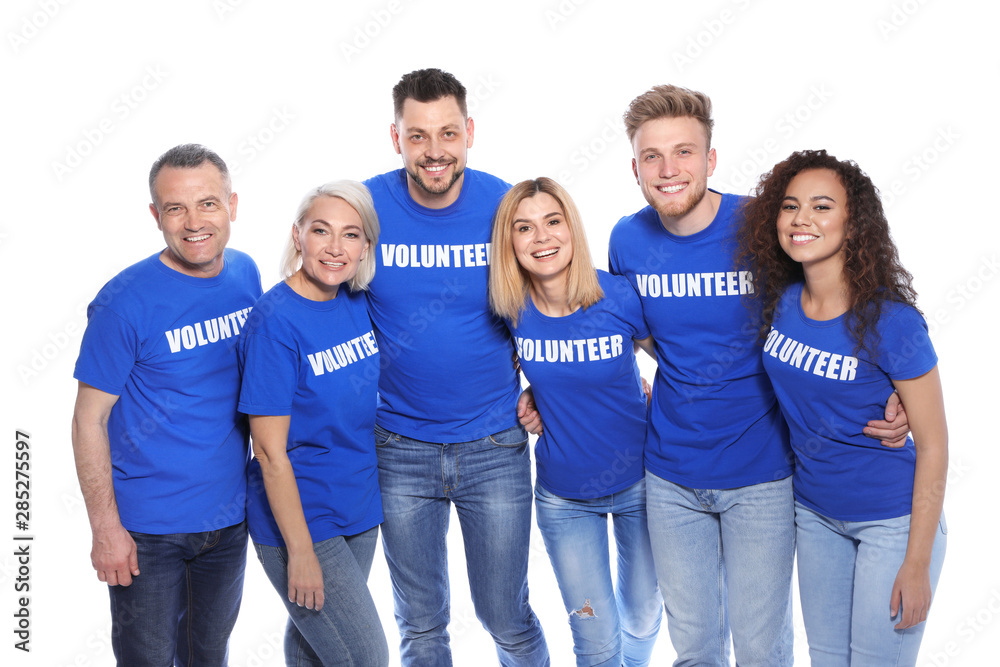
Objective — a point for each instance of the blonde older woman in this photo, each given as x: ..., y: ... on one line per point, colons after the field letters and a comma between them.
x: 310, y: 369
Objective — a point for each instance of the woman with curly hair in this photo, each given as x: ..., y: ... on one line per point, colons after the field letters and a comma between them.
x: 840, y: 331
x: 574, y: 329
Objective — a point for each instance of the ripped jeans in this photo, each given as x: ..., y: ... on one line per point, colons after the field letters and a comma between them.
x: 612, y: 625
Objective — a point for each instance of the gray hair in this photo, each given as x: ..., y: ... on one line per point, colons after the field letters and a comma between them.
x: 189, y: 156
x: 357, y: 197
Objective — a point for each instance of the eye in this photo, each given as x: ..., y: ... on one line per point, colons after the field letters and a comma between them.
x: 650, y: 157
x: 173, y: 210
x: 789, y: 207
x: 822, y: 207
x: 416, y: 137
x: 554, y: 221
x: 319, y: 230
x: 450, y: 134
x: 351, y: 235
x: 684, y: 151
x: 523, y: 228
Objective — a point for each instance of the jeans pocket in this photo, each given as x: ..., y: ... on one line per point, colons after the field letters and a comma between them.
x: 382, y: 437
x: 515, y: 436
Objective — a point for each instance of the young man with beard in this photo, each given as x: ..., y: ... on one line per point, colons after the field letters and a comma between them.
x: 718, y: 462
x: 161, y: 452
x: 446, y: 427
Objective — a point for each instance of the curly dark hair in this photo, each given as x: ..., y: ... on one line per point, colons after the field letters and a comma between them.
x: 871, y: 264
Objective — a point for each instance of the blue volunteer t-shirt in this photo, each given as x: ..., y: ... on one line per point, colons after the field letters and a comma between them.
x: 316, y: 361
x: 448, y: 374
x: 828, y: 392
x: 585, y: 378
x: 165, y: 344
x: 714, y: 422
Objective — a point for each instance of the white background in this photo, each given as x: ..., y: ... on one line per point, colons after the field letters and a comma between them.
x: 95, y: 91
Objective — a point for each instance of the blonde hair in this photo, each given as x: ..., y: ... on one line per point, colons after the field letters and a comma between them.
x: 509, y: 281
x: 357, y: 197
x: 669, y: 102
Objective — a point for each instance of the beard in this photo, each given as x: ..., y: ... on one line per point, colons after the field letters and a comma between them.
x: 437, y: 187
x: 675, y: 209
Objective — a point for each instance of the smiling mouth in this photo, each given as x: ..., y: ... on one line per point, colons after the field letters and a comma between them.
x: 803, y: 238
x: 335, y: 265
x: 671, y: 189
x: 196, y: 239
x: 542, y: 254
x: 434, y: 168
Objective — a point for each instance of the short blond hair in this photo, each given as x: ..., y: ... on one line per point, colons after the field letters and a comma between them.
x: 357, y: 197
x: 668, y: 101
x: 509, y: 281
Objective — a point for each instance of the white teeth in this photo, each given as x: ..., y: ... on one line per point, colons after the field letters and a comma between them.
x: 195, y: 239
x: 436, y: 168
x: 544, y: 253
x: 800, y: 238
x: 670, y: 189
x: 335, y: 264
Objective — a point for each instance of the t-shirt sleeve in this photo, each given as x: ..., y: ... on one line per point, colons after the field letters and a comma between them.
x: 613, y: 267
x: 632, y: 308
x: 108, y: 352
x: 905, y: 349
x: 270, y: 376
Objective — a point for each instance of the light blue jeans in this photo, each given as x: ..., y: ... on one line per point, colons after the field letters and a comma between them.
x: 347, y: 630
x: 846, y: 573
x: 724, y: 558
x: 489, y: 480
x: 609, y: 627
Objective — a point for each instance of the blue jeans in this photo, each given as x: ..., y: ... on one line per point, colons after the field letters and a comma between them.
x: 724, y: 559
x: 347, y: 630
x: 489, y: 480
x: 608, y: 628
x: 183, y: 605
x: 846, y: 573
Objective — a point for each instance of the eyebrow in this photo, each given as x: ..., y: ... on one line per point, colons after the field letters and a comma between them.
x: 320, y: 221
x: 813, y: 198
x: 420, y: 130
x: 544, y: 217
x: 656, y: 149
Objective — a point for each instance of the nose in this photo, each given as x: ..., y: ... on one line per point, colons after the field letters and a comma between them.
x: 433, y: 149
x: 668, y: 168
x: 801, y: 217
x: 192, y: 221
x: 542, y: 233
